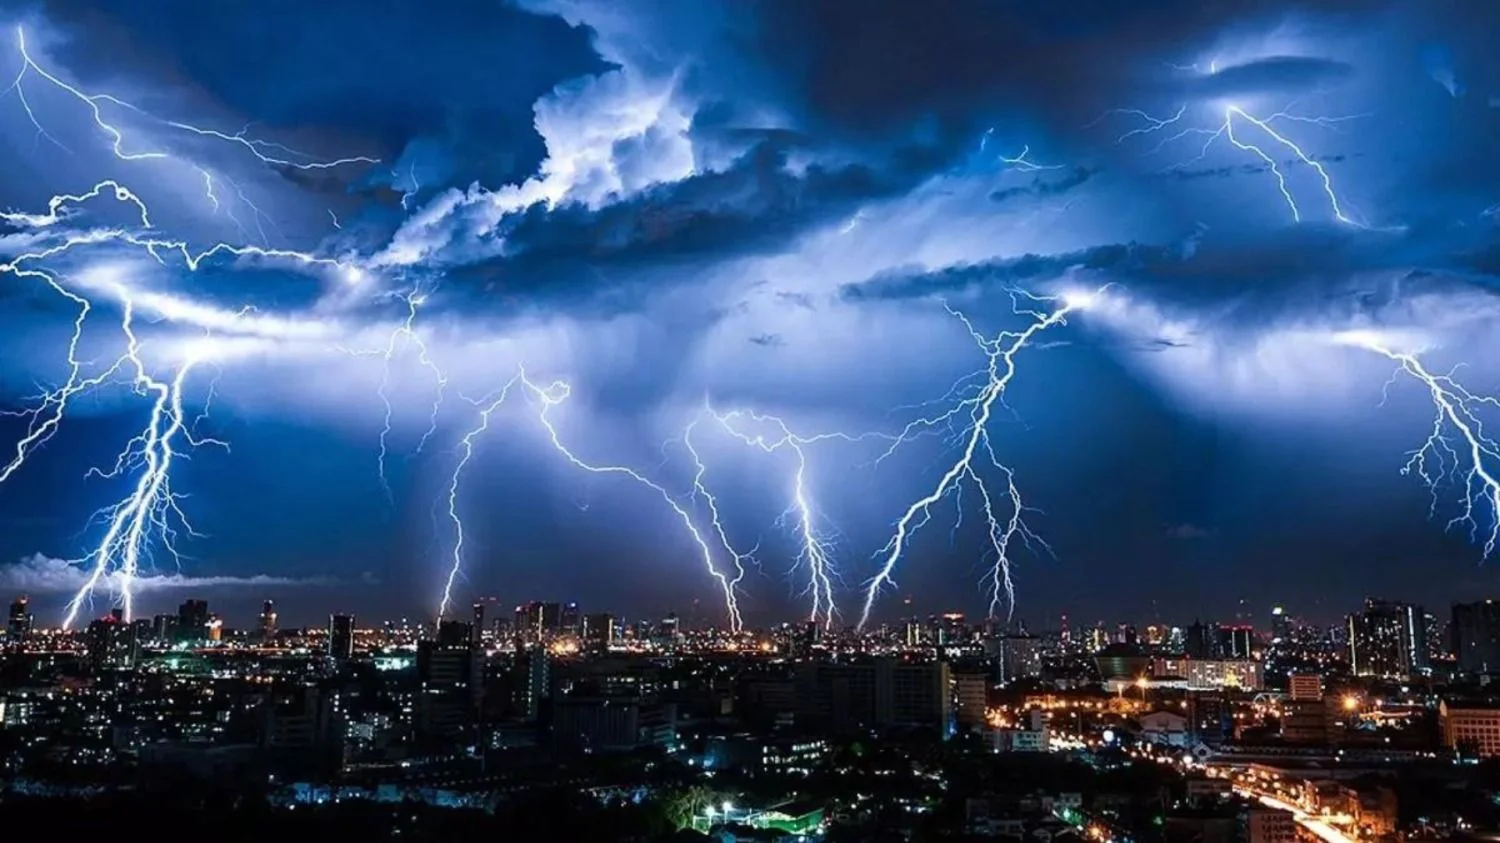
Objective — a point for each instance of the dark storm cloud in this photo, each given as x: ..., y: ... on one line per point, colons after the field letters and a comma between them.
x: 757, y: 205
x: 1042, y: 187
x: 1273, y: 75
x: 767, y: 123
x: 1294, y: 267
x: 391, y: 73
x: 879, y: 67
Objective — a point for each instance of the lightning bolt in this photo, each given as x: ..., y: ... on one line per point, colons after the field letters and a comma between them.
x: 1457, y: 447
x: 716, y: 520
x: 151, y: 509
x: 1254, y: 136
x: 1023, y: 164
x: 267, y: 152
x: 1000, y: 352
x: 553, y: 395
x: 405, y: 335
x: 487, y: 408
x: 817, y: 546
x: 150, y: 515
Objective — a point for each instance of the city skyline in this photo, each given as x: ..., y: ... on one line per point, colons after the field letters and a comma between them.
x: 724, y: 311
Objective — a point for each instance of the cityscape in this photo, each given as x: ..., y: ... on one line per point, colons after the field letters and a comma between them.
x: 789, y: 421
x: 1264, y: 728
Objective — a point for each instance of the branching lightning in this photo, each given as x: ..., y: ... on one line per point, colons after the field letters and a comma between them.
x: 151, y: 509
x: 1254, y: 136
x: 1457, y: 448
x: 149, y: 519
x: 406, y: 335
x: 816, y: 545
x: 547, y: 397
x: 487, y: 408
x: 266, y: 151
x: 554, y: 394
x: 976, y: 411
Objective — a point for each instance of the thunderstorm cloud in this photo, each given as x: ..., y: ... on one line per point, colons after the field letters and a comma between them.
x: 490, y: 270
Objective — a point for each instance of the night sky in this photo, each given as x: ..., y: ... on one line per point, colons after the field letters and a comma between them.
x: 776, y: 207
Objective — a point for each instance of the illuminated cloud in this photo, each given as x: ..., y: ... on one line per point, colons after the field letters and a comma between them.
x: 43, y: 575
x: 769, y: 206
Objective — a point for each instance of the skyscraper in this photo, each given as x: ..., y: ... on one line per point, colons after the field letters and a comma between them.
x: 476, y: 632
x: 268, y: 621
x: 1476, y: 636
x: 341, y: 636
x: 1235, y: 642
x: 551, y: 619
x: 111, y: 642
x: 532, y: 682
x: 19, y: 625
x: 450, y: 668
x: 192, y: 621
x: 1388, y: 639
x: 598, y: 632
x: 1281, y: 625
x: 529, y: 621
x: 1020, y: 658
x: 1201, y: 642
x: 570, y: 619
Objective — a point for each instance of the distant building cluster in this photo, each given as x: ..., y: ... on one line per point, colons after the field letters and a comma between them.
x: 394, y: 706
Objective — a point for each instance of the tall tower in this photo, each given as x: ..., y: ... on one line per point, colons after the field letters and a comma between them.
x: 341, y: 637
x: 19, y: 625
x: 268, y: 621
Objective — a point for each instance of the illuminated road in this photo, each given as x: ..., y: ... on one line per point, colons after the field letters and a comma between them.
x: 1322, y: 829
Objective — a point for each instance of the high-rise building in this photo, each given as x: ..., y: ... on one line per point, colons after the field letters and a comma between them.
x: 451, y: 670
x: 267, y: 621
x: 598, y: 631
x: 551, y: 619
x: 454, y: 634
x: 1235, y: 642
x: 1281, y: 625
x: 476, y: 632
x: 1201, y: 642
x: 341, y: 636
x: 879, y: 693
x: 569, y: 619
x: 670, y: 629
x: 1020, y: 658
x: 19, y: 625
x: 532, y: 682
x: 1476, y: 636
x: 111, y: 642
x: 529, y: 621
x: 164, y: 628
x: 192, y: 621
x: 1388, y: 639
x: 806, y: 636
